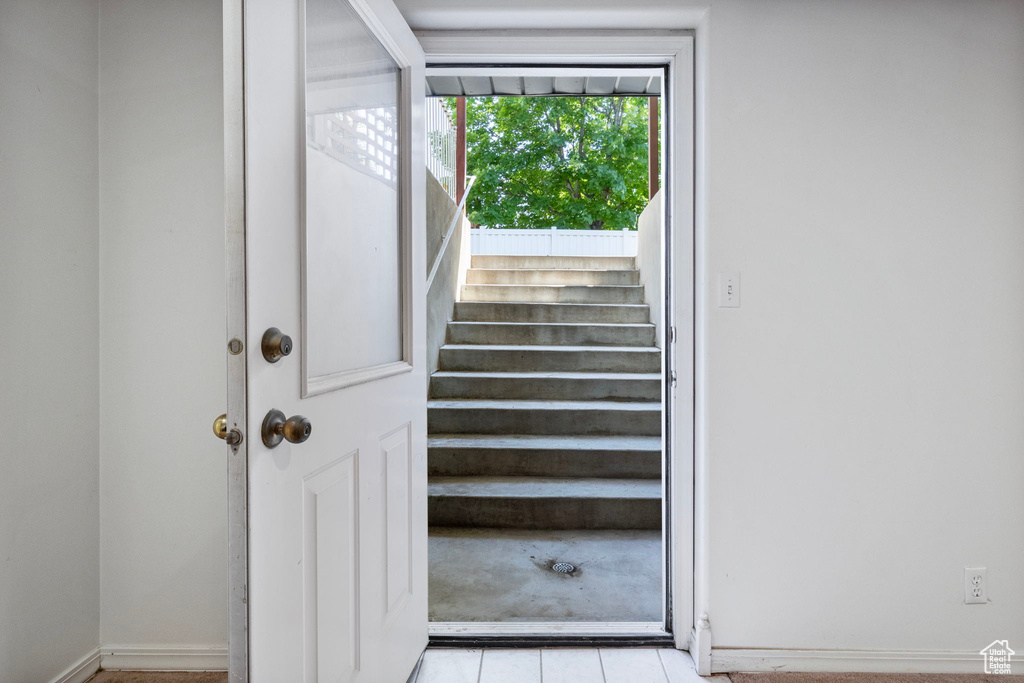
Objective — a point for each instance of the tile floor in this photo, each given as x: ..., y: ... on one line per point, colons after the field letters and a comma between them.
x: 557, y: 665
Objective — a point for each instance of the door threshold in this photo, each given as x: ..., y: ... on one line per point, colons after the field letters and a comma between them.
x: 549, y: 634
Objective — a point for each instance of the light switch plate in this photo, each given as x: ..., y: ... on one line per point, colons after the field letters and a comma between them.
x: 729, y: 290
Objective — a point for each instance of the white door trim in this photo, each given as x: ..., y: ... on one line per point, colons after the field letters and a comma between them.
x: 237, y: 400
x: 689, y: 580
x: 551, y: 47
x: 673, y: 50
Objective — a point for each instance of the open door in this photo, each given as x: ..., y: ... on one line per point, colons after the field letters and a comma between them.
x: 335, y: 432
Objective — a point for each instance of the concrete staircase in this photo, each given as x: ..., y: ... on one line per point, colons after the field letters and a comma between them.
x: 545, y: 412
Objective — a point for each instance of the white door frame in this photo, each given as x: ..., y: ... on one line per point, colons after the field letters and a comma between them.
x: 673, y: 50
x: 234, y: 236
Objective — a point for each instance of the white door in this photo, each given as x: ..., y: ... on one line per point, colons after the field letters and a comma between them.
x: 335, y: 256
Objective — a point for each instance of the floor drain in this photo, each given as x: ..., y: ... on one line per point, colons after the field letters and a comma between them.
x: 563, y: 567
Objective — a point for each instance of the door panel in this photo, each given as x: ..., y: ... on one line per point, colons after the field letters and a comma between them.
x: 330, y: 529
x: 337, y: 524
x: 396, y: 491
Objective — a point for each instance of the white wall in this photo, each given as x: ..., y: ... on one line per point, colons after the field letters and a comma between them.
x: 865, y: 402
x: 650, y: 260
x: 162, y: 378
x: 443, y: 288
x: 49, y: 523
x: 864, y: 170
x: 111, y: 192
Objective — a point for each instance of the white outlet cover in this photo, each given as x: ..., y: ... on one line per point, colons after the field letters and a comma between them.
x: 975, y: 585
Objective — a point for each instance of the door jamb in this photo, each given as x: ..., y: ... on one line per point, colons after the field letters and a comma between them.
x: 234, y: 235
x: 674, y: 50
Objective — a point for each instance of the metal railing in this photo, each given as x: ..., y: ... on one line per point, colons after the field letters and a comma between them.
x: 441, y: 143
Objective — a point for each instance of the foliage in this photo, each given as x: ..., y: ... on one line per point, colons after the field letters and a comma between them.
x: 565, y: 162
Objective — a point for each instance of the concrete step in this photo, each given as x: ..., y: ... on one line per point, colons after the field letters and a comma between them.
x: 569, y: 294
x: 520, y: 276
x: 526, y: 261
x: 544, y: 503
x: 488, y: 358
x: 496, y: 416
x: 626, y: 457
x: 551, y: 334
x: 496, y: 311
x: 551, y: 386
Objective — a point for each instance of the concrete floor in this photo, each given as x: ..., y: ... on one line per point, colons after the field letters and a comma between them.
x: 505, y: 575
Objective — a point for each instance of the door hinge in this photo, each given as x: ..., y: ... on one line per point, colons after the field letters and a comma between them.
x: 672, y: 377
x: 672, y: 334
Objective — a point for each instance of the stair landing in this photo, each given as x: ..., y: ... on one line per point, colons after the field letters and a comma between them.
x: 505, y: 575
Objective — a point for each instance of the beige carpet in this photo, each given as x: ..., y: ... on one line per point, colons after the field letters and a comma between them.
x: 872, y: 678
x: 159, y: 677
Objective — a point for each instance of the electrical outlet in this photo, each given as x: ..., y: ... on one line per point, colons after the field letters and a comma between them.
x: 975, y: 585
x: 729, y: 290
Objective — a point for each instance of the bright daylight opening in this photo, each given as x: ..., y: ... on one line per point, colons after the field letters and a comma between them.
x: 545, y: 259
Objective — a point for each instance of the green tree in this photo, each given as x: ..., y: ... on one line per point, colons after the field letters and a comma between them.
x: 565, y: 162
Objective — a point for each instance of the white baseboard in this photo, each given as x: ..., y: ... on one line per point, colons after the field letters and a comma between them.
x: 136, y: 658
x: 81, y: 670
x: 725, y: 660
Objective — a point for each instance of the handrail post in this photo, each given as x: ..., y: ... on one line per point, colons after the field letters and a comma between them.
x: 460, y: 149
x: 653, y: 143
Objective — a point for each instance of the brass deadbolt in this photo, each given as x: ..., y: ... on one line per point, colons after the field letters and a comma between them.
x: 220, y: 428
x: 277, y: 428
x: 275, y: 345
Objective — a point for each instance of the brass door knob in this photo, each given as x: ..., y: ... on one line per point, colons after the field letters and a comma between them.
x: 277, y: 428
x: 275, y: 345
x: 220, y: 428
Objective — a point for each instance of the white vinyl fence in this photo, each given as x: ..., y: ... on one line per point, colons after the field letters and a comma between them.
x: 554, y: 242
